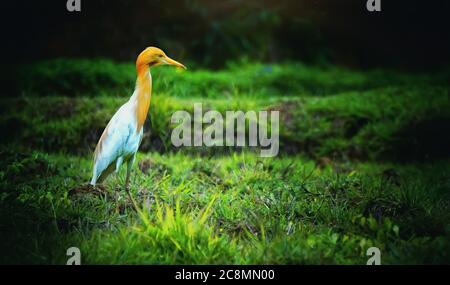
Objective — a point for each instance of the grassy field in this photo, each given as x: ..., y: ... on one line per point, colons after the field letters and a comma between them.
x: 364, y: 161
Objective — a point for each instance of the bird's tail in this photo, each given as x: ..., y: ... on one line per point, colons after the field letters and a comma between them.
x: 94, y: 176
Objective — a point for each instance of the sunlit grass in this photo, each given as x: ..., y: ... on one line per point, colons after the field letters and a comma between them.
x: 232, y: 209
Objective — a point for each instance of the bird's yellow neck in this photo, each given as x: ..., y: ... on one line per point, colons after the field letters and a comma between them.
x: 143, y: 94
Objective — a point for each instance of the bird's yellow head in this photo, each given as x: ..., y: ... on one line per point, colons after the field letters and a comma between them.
x: 153, y: 56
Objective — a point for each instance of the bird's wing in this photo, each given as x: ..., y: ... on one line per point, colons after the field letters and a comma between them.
x: 112, y: 142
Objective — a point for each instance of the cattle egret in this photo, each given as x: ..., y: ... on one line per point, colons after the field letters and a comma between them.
x: 122, y: 136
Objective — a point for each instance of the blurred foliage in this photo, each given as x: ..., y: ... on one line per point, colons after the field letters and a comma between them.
x: 74, y: 77
x: 94, y: 77
x: 326, y: 111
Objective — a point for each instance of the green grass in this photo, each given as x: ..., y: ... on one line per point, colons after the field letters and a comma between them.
x: 363, y: 162
x: 383, y: 123
x: 230, y: 209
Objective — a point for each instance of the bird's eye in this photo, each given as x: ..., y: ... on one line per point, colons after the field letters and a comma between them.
x: 160, y: 55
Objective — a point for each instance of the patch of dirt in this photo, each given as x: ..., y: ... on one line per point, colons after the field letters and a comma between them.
x: 286, y: 110
x: 147, y: 165
x: 85, y: 189
x: 323, y: 162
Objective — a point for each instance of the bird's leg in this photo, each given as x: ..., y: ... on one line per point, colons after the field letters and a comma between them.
x: 127, y: 181
x: 118, y: 164
x: 117, y: 196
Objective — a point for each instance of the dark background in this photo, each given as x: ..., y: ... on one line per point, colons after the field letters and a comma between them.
x: 406, y: 34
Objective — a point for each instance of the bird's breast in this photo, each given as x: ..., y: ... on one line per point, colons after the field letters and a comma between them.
x: 133, y: 141
x: 133, y: 134
x: 143, y: 96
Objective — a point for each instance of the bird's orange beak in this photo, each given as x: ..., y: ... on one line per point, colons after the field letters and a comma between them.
x: 170, y: 61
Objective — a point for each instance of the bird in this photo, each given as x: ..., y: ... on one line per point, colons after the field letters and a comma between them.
x: 122, y: 136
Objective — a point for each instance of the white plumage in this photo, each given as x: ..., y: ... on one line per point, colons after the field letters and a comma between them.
x: 122, y: 136
x: 120, y: 142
